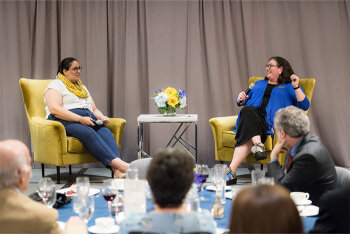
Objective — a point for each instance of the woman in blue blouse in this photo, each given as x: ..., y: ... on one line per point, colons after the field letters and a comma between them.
x: 279, y: 89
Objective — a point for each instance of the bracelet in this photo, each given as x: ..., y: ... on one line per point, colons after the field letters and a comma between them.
x: 296, y: 87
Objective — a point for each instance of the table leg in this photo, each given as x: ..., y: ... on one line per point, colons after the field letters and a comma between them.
x: 195, y: 139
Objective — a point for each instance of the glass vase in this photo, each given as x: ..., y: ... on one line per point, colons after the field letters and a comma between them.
x: 170, y: 111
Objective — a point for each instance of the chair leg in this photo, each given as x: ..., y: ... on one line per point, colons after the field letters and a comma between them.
x: 58, y: 175
x: 42, y: 170
x: 70, y: 169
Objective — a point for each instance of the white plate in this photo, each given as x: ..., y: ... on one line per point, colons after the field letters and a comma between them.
x: 303, y: 202
x: 119, y: 183
x: 95, y: 229
x: 213, y: 188
x: 308, y: 210
x: 92, y: 191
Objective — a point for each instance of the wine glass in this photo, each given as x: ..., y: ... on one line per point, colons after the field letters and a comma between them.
x: 109, y: 191
x: 46, y: 190
x: 86, y: 208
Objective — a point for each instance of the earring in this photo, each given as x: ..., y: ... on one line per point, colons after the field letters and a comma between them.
x: 279, y: 73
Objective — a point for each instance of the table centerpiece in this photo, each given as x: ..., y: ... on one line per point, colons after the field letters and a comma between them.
x: 169, y: 99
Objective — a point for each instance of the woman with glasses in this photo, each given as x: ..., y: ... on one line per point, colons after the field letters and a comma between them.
x: 279, y: 89
x: 69, y: 102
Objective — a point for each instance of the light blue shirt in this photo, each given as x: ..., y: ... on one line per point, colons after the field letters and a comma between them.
x: 168, y: 222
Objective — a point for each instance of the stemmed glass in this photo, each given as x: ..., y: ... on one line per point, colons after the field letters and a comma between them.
x: 87, y: 208
x: 47, y: 191
x: 109, y: 192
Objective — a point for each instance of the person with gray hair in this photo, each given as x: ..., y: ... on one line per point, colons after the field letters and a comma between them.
x: 19, y: 213
x: 308, y: 166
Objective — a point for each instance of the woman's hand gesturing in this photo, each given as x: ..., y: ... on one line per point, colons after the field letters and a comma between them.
x: 295, y: 80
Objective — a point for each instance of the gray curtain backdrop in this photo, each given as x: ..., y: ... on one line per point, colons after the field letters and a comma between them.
x: 209, y: 48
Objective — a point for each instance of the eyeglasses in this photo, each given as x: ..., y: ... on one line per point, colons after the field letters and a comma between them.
x: 77, y: 68
x: 270, y: 65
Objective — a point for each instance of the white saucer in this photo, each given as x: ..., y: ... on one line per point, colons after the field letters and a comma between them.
x: 213, y: 188
x: 308, y: 210
x: 92, y: 192
x: 302, y: 202
x: 95, y: 229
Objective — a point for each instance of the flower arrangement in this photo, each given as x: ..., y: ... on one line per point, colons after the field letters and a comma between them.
x: 167, y: 100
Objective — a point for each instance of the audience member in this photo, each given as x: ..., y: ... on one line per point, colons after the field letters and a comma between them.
x: 334, y: 215
x: 170, y: 176
x: 265, y: 209
x: 279, y: 89
x: 308, y: 166
x: 19, y: 213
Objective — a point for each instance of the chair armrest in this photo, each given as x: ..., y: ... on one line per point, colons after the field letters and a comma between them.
x: 220, y: 124
x: 49, y: 140
x: 116, y: 125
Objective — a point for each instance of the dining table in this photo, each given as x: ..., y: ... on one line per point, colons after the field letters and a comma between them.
x: 101, y: 210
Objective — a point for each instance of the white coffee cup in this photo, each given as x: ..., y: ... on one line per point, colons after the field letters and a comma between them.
x: 299, y: 197
x: 104, y: 223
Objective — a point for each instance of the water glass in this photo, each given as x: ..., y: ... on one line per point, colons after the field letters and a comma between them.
x: 47, y: 191
x: 83, y: 186
x: 256, y: 175
x: 51, y: 200
x: 132, y: 174
x: 87, y: 208
x: 76, y: 204
x: 219, y: 181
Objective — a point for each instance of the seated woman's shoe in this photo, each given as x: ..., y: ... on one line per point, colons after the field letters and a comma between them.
x: 258, y: 150
x: 232, y: 178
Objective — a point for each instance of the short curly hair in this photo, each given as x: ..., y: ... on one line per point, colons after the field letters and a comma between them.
x: 170, y: 176
x: 293, y: 121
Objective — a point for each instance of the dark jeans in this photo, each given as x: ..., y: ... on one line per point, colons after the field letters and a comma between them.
x: 98, y: 140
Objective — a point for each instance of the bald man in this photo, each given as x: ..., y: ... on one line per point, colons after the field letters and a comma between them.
x: 19, y: 213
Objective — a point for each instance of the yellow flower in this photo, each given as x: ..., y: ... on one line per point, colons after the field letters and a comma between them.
x: 173, y: 101
x: 171, y: 91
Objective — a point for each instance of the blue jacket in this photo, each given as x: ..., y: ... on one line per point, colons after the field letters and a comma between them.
x: 282, y: 95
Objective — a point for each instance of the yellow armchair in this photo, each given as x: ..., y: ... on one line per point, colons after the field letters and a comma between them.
x: 50, y: 143
x: 224, y: 137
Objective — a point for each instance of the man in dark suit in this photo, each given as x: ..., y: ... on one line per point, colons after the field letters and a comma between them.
x: 334, y: 216
x: 308, y: 166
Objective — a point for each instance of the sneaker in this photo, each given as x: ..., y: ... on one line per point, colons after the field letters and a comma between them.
x: 258, y: 150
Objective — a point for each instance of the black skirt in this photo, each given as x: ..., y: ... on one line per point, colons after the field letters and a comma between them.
x: 251, y: 123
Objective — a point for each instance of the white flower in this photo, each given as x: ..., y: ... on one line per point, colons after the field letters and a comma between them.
x: 161, y: 99
x: 183, y: 102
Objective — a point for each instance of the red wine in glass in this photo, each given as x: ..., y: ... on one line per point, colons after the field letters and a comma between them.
x: 109, y: 196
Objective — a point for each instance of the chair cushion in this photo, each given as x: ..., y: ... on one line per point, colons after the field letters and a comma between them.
x: 228, y: 140
x: 75, y: 146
